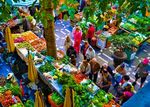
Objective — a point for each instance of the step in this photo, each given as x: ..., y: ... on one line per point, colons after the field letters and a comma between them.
x: 105, y: 57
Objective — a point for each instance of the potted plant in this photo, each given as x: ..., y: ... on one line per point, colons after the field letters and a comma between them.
x: 123, y: 46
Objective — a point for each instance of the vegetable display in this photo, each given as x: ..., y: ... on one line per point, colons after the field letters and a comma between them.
x: 46, y: 67
x: 7, y: 99
x: 39, y: 44
x: 129, y: 26
x: 56, y: 98
x: 101, y: 98
x: 29, y: 103
x: 65, y: 59
x: 25, y: 45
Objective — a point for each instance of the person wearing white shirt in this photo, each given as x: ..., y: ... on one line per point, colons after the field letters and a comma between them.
x: 90, y: 53
x: 85, y: 68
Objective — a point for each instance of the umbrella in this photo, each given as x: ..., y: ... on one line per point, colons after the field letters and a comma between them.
x: 9, y: 40
x: 38, y: 100
x: 32, y: 72
x: 69, y: 98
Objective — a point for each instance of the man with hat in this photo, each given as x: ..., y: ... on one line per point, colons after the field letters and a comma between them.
x: 11, y: 78
x: 142, y: 72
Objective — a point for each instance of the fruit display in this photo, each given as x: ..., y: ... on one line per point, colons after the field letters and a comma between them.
x: 113, y: 30
x: 14, y: 36
x: 29, y: 36
x: 56, y: 98
x: 111, y: 104
x: 25, y: 45
x: 39, y: 44
x: 46, y: 67
x: 79, y: 77
x: 8, y: 99
x: 18, y: 40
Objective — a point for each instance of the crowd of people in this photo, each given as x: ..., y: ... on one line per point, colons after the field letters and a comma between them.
x: 110, y: 80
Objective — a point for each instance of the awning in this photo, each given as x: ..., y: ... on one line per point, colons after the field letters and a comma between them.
x: 22, y: 3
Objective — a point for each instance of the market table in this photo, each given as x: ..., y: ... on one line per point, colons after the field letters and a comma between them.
x: 67, y: 68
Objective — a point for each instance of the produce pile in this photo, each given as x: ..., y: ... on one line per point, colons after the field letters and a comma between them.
x: 111, y: 103
x: 139, y: 20
x: 83, y: 95
x: 29, y: 36
x: 101, y: 98
x: 29, y: 103
x: 55, y: 97
x: 138, y: 38
x: 25, y: 45
x: 18, y: 40
x: 129, y: 26
x: 9, y: 95
x: 47, y: 67
x: 15, y: 36
x: 39, y: 44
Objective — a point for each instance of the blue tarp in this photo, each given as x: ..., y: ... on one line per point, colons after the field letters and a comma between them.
x: 22, y: 3
x: 140, y: 99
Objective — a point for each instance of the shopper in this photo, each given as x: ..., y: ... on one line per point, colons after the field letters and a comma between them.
x: 77, y: 33
x: 90, y: 53
x: 105, y: 81
x: 106, y: 67
x: 127, y: 93
x: 84, y: 48
x: 125, y: 81
x: 71, y: 51
x: 91, y: 32
x: 85, y: 68
x: 121, y: 69
x: 142, y: 72
x: 67, y: 43
x: 73, y: 60
x: 95, y: 68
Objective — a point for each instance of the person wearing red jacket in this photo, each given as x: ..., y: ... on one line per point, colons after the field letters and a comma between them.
x: 90, y: 33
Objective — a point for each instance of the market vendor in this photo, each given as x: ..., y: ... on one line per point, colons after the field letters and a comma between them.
x: 11, y: 78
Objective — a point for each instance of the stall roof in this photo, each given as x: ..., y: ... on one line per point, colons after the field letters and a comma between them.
x: 22, y: 3
x: 140, y: 99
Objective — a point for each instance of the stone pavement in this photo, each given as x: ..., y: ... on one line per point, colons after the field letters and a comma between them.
x: 63, y: 28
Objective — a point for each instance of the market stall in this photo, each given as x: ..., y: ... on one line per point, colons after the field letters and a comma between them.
x: 59, y: 74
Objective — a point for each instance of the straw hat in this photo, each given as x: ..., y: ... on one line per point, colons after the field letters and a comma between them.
x: 9, y: 76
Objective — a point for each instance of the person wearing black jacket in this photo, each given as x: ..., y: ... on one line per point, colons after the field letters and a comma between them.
x: 71, y: 51
x: 106, y: 67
